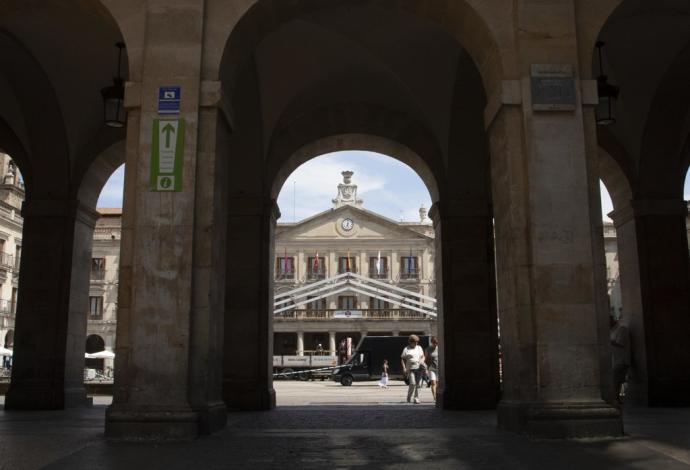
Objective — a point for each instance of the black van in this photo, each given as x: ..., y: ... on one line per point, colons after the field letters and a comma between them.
x: 367, y: 361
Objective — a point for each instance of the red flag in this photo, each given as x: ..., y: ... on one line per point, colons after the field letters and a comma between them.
x: 285, y: 263
x: 347, y: 262
x: 315, y: 268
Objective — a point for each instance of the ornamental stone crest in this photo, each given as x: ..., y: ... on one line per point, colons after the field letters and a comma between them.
x: 347, y: 192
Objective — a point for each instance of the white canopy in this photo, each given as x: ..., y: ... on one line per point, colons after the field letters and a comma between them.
x: 100, y: 355
x: 5, y: 352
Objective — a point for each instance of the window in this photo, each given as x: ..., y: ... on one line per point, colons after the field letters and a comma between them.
x: 13, y: 306
x: 377, y: 271
x: 378, y: 304
x: 95, y: 308
x: 409, y: 267
x: 17, y: 256
x: 347, y: 264
x: 285, y: 268
x: 98, y: 269
x: 347, y: 302
x: 316, y: 267
x: 319, y: 304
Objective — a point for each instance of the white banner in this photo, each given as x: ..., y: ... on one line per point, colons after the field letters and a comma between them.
x: 347, y: 314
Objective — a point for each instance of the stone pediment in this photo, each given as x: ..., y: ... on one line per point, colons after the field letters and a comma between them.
x: 335, y: 224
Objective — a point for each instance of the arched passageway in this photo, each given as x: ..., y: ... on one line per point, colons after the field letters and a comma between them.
x: 55, y: 62
x: 645, y: 154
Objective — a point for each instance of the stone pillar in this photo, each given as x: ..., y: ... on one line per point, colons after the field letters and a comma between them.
x: 300, y: 343
x: 631, y: 296
x: 658, y: 318
x: 167, y: 357
x: 550, y: 332
x: 248, y: 322
x: 466, y: 295
x: 53, y: 301
x: 331, y: 343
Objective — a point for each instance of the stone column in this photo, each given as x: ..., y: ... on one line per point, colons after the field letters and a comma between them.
x: 52, y: 308
x: 300, y: 343
x: 631, y: 296
x: 550, y: 332
x: 658, y: 318
x: 466, y: 295
x: 331, y: 343
x: 248, y: 320
x: 167, y: 371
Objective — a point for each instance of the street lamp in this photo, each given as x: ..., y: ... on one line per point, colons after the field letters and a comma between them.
x: 114, y: 114
x: 608, y: 94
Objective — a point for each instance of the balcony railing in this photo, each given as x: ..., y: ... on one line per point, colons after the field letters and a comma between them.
x: 6, y: 307
x: 97, y: 274
x: 369, y: 314
x: 285, y: 277
x: 316, y: 276
x: 6, y: 260
x: 408, y: 275
x: 374, y: 275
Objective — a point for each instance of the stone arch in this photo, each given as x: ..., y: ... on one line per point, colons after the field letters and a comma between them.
x: 98, y: 173
x: 9, y: 339
x: 665, y: 149
x: 354, y: 127
x: 473, y: 25
x: 615, y: 180
x: 94, y: 344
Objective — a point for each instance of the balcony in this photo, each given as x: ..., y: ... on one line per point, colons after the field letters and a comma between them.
x: 6, y: 307
x: 374, y: 275
x: 316, y: 276
x: 285, y: 277
x: 97, y: 274
x: 6, y: 261
x: 411, y: 275
x: 367, y: 314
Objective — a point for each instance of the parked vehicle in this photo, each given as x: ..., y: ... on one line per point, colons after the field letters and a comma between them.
x: 303, y: 367
x: 366, y: 363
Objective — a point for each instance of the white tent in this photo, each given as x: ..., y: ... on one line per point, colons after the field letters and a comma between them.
x: 5, y: 352
x: 100, y: 355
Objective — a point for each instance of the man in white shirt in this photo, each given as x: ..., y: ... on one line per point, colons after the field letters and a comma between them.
x: 412, y: 360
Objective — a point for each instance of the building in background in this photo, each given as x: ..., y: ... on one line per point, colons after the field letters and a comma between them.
x: 391, y: 289
x: 11, y: 223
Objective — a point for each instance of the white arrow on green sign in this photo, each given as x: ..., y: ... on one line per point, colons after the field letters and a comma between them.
x: 167, y: 152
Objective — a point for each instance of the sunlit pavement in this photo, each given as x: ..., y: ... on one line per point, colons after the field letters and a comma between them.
x: 324, y: 425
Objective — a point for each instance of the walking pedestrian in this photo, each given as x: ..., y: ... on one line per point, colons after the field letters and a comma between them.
x: 620, y: 348
x: 412, y: 359
x: 383, y: 383
x: 431, y: 358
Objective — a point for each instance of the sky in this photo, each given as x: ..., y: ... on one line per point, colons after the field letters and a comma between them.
x: 387, y: 186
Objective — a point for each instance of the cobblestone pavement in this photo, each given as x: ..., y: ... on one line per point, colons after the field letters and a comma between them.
x: 351, y: 427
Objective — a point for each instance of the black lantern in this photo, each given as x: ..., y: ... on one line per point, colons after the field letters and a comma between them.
x: 608, y: 94
x: 114, y: 114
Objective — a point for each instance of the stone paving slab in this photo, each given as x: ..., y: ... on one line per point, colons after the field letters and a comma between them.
x: 342, y: 434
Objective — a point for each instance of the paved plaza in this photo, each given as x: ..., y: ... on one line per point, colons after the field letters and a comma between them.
x: 324, y: 425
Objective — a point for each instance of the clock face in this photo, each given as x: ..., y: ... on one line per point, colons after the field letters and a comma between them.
x: 347, y: 224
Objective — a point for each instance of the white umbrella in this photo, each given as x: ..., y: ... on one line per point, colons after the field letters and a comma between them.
x: 5, y: 352
x: 100, y: 355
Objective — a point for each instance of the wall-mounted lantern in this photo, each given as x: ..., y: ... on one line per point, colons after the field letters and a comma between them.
x: 114, y: 114
x: 608, y: 94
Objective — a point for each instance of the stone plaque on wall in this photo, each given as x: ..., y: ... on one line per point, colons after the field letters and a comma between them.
x: 553, y: 87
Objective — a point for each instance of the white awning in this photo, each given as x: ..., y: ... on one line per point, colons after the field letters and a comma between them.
x: 100, y: 355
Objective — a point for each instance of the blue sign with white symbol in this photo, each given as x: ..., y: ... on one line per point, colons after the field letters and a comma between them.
x: 169, y: 99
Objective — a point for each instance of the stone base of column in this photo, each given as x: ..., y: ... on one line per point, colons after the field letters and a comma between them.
x: 151, y: 423
x: 239, y: 398
x: 561, y: 420
x: 467, y: 396
x: 213, y: 417
x: 44, y: 397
